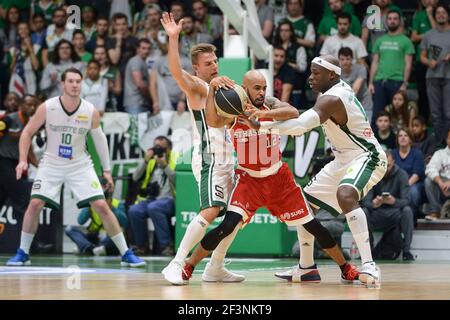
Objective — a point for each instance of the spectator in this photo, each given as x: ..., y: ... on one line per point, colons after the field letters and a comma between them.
x: 387, y: 205
x: 112, y: 75
x: 89, y: 242
x: 136, y: 85
x: 391, y: 64
x: 64, y: 57
x: 39, y: 30
x: 284, y: 75
x: 344, y: 38
x: 163, y: 83
x: 94, y: 87
x: 437, y: 183
x: 402, y: 111
x: 304, y: 29
x: 383, y: 133
x: 356, y: 76
x: 100, y: 35
x: 207, y: 23
x: 371, y: 33
x: 295, y: 57
x: 153, y: 29
x: 328, y: 24
x: 422, y: 139
x: 57, y: 31
x: 46, y: 8
x: 190, y: 36
x: 156, y: 197
x: 266, y: 18
x: 422, y: 22
x: 411, y: 160
x: 12, y: 23
x: 121, y: 47
x: 435, y: 53
x: 177, y: 10
x: 181, y: 119
x: 140, y: 17
x: 123, y: 8
x: 79, y: 44
x: 88, y: 16
x: 23, y: 63
x: 11, y: 103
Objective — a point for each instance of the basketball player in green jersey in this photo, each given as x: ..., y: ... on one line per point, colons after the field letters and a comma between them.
x: 68, y: 119
x: 212, y: 157
x: 359, y: 162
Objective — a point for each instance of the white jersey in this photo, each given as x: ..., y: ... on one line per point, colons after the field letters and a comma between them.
x: 66, y: 132
x: 208, y: 140
x: 356, y: 137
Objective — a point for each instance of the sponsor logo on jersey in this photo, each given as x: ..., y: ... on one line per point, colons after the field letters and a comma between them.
x: 82, y: 118
x: 65, y: 152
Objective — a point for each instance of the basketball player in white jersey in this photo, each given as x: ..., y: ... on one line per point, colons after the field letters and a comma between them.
x: 359, y: 162
x: 212, y: 157
x: 68, y: 119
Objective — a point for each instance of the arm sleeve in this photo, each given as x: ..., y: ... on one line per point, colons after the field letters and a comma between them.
x: 170, y: 174
x: 307, y: 121
x: 101, y: 145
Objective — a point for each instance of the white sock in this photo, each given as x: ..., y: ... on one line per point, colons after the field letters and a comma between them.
x: 306, y: 242
x: 357, y: 222
x: 194, y: 233
x: 121, y: 244
x: 25, y: 241
x: 218, y: 255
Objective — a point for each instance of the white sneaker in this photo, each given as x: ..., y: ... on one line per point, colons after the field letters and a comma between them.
x: 173, y: 273
x: 297, y: 274
x: 220, y: 274
x: 370, y: 275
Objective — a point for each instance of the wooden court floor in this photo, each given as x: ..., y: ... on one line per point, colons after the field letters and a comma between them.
x: 72, y: 277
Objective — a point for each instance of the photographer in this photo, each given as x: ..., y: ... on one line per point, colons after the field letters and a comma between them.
x: 156, y: 197
x: 387, y: 206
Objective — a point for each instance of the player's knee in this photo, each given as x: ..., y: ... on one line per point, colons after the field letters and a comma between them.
x: 101, y: 207
x: 35, y: 206
x: 322, y: 235
x: 347, y: 198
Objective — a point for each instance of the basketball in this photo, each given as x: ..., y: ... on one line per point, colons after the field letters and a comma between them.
x: 230, y: 102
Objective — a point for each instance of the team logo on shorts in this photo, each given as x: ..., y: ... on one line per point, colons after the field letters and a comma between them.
x: 292, y: 215
x: 367, y: 132
x: 95, y: 185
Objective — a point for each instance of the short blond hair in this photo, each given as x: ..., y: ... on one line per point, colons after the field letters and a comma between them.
x: 199, y: 49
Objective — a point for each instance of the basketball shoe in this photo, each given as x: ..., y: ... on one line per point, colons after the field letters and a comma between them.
x: 129, y: 259
x: 220, y: 274
x: 299, y: 274
x: 370, y: 275
x: 20, y: 259
x: 177, y: 273
x: 350, y: 274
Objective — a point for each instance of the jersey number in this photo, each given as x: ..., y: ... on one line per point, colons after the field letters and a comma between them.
x: 66, y: 138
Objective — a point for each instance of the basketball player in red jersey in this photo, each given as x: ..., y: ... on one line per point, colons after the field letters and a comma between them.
x: 263, y: 180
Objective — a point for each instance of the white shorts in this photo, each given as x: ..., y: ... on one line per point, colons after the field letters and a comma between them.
x: 362, y: 174
x: 215, y: 181
x: 79, y: 177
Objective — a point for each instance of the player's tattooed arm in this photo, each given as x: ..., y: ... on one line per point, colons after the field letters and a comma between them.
x: 278, y: 110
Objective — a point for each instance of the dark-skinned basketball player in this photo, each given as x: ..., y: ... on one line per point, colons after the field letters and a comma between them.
x: 263, y: 180
x: 359, y: 162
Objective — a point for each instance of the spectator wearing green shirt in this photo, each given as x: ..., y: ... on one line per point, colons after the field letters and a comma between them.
x: 79, y: 44
x: 371, y: 33
x: 328, y: 24
x: 435, y: 53
x: 304, y: 29
x: 391, y: 64
x: 422, y: 22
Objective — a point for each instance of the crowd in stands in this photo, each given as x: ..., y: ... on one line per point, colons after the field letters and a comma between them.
x: 398, y: 69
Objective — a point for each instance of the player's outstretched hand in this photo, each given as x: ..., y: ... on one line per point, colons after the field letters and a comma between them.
x: 221, y: 82
x: 252, y: 112
x: 20, y: 169
x: 243, y: 119
x: 169, y: 24
x: 110, y: 183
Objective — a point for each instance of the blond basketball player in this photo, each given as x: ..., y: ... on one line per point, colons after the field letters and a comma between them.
x: 359, y: 162
x: 212, y: 157
x: 68, y: 119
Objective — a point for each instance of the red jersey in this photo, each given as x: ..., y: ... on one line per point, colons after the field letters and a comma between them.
x: 258, y: 153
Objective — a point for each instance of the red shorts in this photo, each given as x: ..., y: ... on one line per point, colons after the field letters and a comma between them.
x: 279, y: 193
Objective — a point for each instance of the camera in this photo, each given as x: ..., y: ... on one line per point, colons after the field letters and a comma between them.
x: 158, y: 150
x: 151, y: 192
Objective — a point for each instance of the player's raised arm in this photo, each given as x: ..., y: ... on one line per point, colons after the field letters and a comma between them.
x: 35, y: 123
x: 187, y: 82
x: 101, y: 145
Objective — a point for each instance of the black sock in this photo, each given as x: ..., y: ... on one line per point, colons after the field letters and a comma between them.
x: 343, y: 267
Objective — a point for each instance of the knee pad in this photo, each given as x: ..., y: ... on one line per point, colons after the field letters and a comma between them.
x: 212, y: 239
x: 322, y: 235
